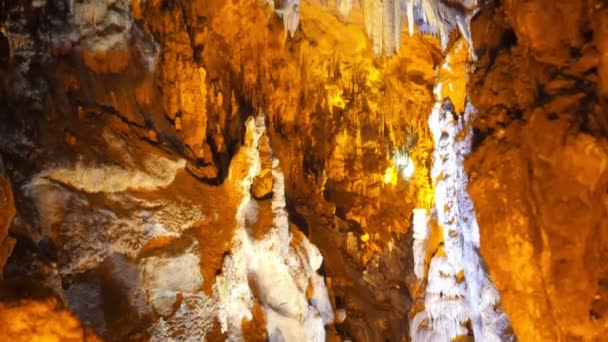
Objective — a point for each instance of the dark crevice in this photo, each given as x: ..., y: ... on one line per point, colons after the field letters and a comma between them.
x: 478, y: 137
x: 508, y: 39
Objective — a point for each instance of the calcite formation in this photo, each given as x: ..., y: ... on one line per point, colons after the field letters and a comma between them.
x: 383, y: 19
x: 455, y: 293
x: 277, y: 269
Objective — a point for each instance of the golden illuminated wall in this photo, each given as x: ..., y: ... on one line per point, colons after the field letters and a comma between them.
x: 43, y: 321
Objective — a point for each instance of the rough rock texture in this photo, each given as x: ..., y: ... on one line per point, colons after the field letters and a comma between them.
x: 7, y: 210
x: 455, y: 296
x: 539, y: 168
x: 30, y: 320
x: 124, y: 138
x: 261, y: 188
x: 122, y: 123
x: 275, y: 268
x: 335, y: 133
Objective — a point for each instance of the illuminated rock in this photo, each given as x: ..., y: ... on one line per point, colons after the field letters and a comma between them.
x: 29, y: 320
x: 548, y: 275
x: 126, y: 119
x: 7, y: 207
x: 274, y: 271
x: 261, y: 188
x: 459, y: 296
x: 383, y: 20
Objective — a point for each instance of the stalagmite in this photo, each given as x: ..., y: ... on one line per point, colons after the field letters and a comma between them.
x: 277, y: 266
x: 420, y: 227
x: 444, y: 317
x: 410, y: 16
x: 458, y: 288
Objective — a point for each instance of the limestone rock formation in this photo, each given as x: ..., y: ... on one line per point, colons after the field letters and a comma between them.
x: 454, y: 294
x: 150, y: 205
x: 276, y: 268
x: 36, y: 320
x: 538, y: 168
x: 261, y: 188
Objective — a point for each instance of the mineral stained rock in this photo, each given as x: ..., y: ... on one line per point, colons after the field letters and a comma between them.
x: 140, y: 200
x: 261, y: 188
x: 7, y: 212
x: 30, y: 320
x: 539, y: 166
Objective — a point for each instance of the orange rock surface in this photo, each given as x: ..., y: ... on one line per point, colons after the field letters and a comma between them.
x: 110, y: 86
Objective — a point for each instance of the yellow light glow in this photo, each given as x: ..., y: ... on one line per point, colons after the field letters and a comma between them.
x: 365, y: 237
x: 425, y: 196
x: 334, y: 97
x: 390, y: 175
x: 373, y: 75
x: 405, y: 164
x: 400, y: 166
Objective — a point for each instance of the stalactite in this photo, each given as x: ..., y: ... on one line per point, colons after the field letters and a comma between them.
x: 388, y: 27
x: 382, y: 19
x: 290, y: 12
x: 410, y: 16
x: 397, y: 23
x: 377, y: 26
x: 368, y: 10
x: 344, y: 7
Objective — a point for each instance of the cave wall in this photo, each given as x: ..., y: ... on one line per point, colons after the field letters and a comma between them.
x: 107, y: 83
x: 7, y: 204
x: 538, y: 169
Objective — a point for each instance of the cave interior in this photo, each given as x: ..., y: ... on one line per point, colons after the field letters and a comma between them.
x: 303, y: 170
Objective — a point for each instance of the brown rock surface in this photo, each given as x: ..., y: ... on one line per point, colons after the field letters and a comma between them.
x: 262, y: 185
x: 600, y: 30
x: 7, y: 212
x: 539, y: 169
x: 29, y: 320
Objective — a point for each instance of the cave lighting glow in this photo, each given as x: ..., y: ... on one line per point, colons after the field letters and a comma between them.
x: 405, y: 165
x: 390, y: 175
x: 401, y: 165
